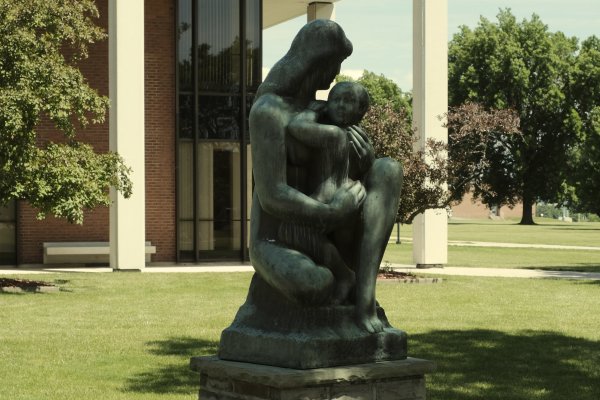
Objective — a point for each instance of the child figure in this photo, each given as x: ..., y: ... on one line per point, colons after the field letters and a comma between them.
x: 324, y: 128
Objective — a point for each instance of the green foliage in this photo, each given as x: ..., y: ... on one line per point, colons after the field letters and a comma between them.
x: 548, y: 210
x: 65, y: 179
x: 474, y: 134
x: 42, y: 41
x: 431, y: 178
x: 438, y: 174
x: 585, y: 157
x: 520, y: 65
x: 388, y: 124
x: 383, y: 91
x: 424, y: 171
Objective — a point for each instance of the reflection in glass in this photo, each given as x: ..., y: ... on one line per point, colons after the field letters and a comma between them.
x: 249, y: 101
x: 222, y: 197
x: 253, y: 45
x: 212, y: 89
x: 219, y: 45
x: 186, y: 116
x: 184, y: 40
x: 218, y: 117
x: 8, y: 248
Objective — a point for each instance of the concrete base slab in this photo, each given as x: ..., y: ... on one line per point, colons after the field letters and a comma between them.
x: 386, y: 380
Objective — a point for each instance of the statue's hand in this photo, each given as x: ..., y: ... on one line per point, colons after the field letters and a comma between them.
x: 362, y: 147
x: 347, y: 199
x: 317, y: 106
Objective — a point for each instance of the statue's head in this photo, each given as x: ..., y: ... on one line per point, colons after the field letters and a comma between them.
x: 347, y: 103
x: 313, y: 60
x: 322, y: 45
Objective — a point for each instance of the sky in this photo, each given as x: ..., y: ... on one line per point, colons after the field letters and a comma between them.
x: 381, y: 30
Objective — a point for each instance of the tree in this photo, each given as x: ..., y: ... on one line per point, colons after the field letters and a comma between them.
x: 42, y: 43
x: 585, y: 157
x: 442, y: 173
x: 520, y: 65
x: 383, y: 91
x: 474, y: 136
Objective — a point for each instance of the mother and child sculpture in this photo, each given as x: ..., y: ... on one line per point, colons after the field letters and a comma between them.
x: 322, y: 212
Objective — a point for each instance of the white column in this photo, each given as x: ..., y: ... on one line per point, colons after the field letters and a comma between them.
x: 126, y: 92
x: 320, y: 10
x: 430, y: 100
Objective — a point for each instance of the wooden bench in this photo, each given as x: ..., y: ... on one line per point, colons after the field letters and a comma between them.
x: 83, y: 252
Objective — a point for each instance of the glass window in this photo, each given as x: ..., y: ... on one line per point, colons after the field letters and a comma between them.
x: 218, y: 117
x: 186, y: 116
x: 215, y: 95
x: 219, y: 45
x: 8, y: 234
x: 253, y: 44
x: 184, y: 43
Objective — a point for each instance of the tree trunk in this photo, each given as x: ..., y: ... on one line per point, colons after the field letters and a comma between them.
x: 527, y: 216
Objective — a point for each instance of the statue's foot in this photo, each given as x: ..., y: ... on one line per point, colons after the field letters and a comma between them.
x: 343, y: 288
x: 370, y: 323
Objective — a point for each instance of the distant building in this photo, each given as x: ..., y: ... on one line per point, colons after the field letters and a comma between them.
x: 468, y: 208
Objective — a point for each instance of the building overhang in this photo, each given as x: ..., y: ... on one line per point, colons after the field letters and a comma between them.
x: 278, y: 11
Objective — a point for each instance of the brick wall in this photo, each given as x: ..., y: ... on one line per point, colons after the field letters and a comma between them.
x: 160, y: 127
x: 467, y: 208
x: 159, y: 147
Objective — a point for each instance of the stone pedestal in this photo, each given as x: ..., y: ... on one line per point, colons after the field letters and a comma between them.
x: 385, y: 380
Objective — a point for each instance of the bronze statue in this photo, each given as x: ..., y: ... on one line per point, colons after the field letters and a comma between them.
x: 322, y: 213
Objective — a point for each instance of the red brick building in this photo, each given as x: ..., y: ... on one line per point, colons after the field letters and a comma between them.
x: 197, y: 85
x: 468, y: 208
x: 181, y: 75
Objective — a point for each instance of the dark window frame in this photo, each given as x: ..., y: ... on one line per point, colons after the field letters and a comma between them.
x: 243, y: 94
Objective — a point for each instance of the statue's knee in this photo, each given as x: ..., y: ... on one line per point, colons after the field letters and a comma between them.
x: 316, y: 286
x: 388, y: 171
x: 292, y: 273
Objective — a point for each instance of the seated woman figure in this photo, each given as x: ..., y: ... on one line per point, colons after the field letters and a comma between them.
x: 360, y: 213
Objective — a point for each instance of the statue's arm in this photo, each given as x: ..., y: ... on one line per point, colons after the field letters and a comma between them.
x: 305, y: 128
x: 268, y: 121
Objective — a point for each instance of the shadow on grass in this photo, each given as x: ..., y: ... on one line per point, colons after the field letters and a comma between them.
x: 596, y: 283
x: 472, y: 365
x: 175, y: 377
x: 571, y: 228
x: 485, y: 364
x: 581, y: 267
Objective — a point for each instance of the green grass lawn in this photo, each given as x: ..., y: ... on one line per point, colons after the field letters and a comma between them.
x: 546, y: 231
x: 496, y: 257
x: 130, y: 336
x: 509, y: 231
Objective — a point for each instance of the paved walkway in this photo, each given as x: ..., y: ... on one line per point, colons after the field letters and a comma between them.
x: 464, y: 271
x: 149, y: 269
x: 507, y: 245
x: 499, y: 272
